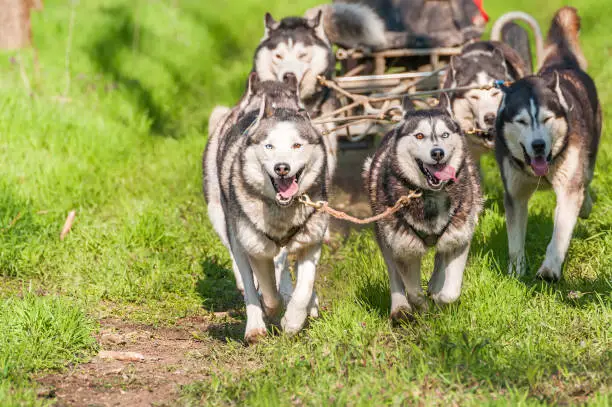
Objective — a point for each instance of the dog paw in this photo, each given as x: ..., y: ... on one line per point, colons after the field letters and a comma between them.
x: 444, y: 298
x: 402, y: 314
x: 293, y: 322
x: 313, y: 312
x: 252, y: 336
x: 517, y: 269
x: 549, y: 274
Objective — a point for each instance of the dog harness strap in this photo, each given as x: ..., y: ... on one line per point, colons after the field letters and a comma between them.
x: 282, y: 242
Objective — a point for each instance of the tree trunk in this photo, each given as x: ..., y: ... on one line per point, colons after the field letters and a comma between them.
x: 15, y: 29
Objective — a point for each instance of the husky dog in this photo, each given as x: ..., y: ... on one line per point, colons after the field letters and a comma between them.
x: 480, y: 64
x: 222, y: 119
x: 549, y: 128
x: 303, y: 46
x: 262, y: 163
x: 427, y: 152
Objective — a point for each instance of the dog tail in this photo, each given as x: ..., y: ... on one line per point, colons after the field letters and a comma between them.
x: 562, y: 44
x: 352, y: 25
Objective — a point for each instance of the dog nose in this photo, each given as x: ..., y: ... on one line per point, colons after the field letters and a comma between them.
x: 539, y: 146
x: 489, y: 119
x: 437, y: 154
x: 282, y: 169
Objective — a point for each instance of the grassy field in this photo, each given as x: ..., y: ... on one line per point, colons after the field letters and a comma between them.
x: 112, y: 124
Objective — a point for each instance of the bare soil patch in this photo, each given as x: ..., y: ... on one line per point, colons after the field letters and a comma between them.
x: 196, y: 349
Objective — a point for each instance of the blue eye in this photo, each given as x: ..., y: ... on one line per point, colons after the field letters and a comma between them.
x: 268, y: 146
x: 445, y: 135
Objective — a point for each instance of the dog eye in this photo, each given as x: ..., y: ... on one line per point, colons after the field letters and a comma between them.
x: 302, y: 56
x: 445, y: 135
x: 419, y: 136
x: 523, y: 122
x: 475, y: 97
x: 549, y: 118
x: 278, y: 56
x: 495, y: 94
x: 268, y: 146
x: 296, y: 146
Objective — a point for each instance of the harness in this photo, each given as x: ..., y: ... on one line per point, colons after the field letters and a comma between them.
x: 282, y: 242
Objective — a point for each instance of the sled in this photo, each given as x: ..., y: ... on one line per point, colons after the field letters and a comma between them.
x: 370, y: 85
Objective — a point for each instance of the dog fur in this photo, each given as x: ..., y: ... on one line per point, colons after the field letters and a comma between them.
x: 480, y: 64
x: 254, y: 170
x: 549, y: 128
x: 444, y: 217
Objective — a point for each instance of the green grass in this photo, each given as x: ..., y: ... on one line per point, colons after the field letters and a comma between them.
x: 122, y: 147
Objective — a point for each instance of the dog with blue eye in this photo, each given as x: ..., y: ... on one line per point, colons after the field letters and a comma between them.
x: 425, y: 152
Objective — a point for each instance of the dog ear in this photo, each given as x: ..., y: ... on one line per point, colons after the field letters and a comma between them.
x: 252, y: 84
x: 456, y: 64
x: 270, y: 23
x: 499, y: 58
x: 315, y: 21
x: 407, y: 105
x: 555, y: 84
x: 445, y: 104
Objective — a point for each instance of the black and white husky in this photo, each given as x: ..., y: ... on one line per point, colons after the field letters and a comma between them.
x: 426, y: 152
x: 303, y: 46
x: 255, y: 167
x: 479, y: 65
x: 549, y: 127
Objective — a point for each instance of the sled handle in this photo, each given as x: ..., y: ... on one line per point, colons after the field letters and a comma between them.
x: 496, y: 31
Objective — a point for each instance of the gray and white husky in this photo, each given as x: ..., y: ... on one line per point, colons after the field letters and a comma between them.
x: 480, y: 64
x: 254, y: 172
x: 303, y: 46
x: 426, y: 152
x: 549, y: 126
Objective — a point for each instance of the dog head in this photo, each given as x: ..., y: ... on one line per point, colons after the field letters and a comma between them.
x: 477, y: 108
x: 284, y: 94
x: 293, y: 45
x: 429, y: 147
x: 284, y: 154
x: 533, y: 120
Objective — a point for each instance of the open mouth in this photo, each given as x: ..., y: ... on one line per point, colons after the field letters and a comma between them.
x: 286, y: 188
x: 437, y: 175
x: 538, y: 164
x: 486, y: 137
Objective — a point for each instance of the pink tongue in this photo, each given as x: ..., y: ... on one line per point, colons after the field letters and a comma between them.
x: 539, y: 166
x: 446, y: 173
x: 287, y: 187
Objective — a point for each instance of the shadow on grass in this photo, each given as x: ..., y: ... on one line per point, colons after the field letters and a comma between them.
x: 217, y: 287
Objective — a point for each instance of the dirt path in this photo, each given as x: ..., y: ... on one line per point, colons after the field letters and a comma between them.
x: 193, y: 350
x: 172, y: 357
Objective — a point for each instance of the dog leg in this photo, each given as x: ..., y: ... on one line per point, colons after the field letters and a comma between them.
x: 516, y: 223
x: 566, y: 215
x: 255, y: 326
x: 587, y: 205
x: 447, y: 278
x: 410, y: 272
x: 263, y: 268
x: 313, y: 306
x: 284, y: 285
x: 297, y: 310
x: 400, y: 307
